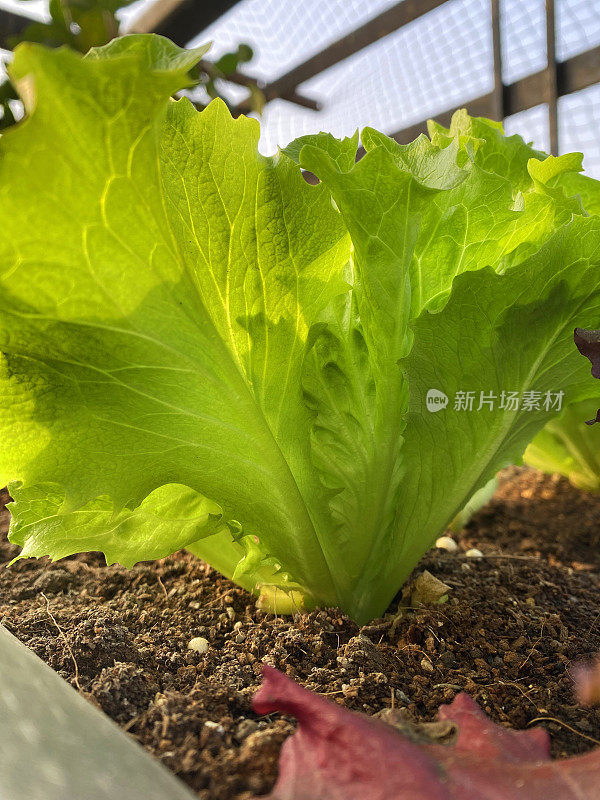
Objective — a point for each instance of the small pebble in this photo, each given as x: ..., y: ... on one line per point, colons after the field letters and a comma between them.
x: 402, y: 697
x: 214, y: 726
x: 447, y: 543
x: 198, y: 644
x: 474, y: 553
x: 427, y: 666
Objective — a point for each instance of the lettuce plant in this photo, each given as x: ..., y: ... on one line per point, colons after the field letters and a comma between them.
x: 201, y: 350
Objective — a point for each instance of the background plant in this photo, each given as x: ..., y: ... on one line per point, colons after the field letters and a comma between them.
x: 83, y: 24
x: 568, y: 445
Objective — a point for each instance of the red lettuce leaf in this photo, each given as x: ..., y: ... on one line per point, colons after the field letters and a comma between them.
x: 588, y: 344
x: 337, y: 754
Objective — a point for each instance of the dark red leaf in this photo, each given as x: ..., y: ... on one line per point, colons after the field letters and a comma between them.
x: 340, y: 755
x: 593, y: 421
x: 588, y: 344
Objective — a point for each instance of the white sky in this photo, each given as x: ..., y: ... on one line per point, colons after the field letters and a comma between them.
x: 440, y: 60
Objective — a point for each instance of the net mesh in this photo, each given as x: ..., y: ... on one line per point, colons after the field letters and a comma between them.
x: 434, y: 63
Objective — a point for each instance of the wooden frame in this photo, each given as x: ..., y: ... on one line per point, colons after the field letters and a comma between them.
x: 178, y: 19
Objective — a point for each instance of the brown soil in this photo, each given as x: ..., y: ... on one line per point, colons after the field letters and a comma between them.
x: 513, y: 624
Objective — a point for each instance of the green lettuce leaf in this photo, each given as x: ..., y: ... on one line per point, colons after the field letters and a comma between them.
x: 153, y: 326
x: 170, y: 517
x: 424, y: 467
x: 498, y: 333
x: 201, y: 350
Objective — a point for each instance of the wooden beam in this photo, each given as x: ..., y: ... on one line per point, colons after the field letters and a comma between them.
x: 579, y: 72
x: 576, y: 73
x: 188, y: 18
x: 525, y: 93
x: 154, y: 16
x: 497, y: 55
x: 11, y: 25
x: 551, y: 93
x: 241, y: 79
x: 391, y: 20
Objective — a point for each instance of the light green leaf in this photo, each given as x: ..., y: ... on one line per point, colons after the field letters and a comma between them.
x: 154, y: 327
x: 413, y: 235
x: 432, y: 166
x: 342, y: 152
x: 498, y: 333
x: 460, y: 217
x: 584, y: 187
x: 169, y: 518
x: 155, y: 54
x: 339, y: 387
x: 506, y: 156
